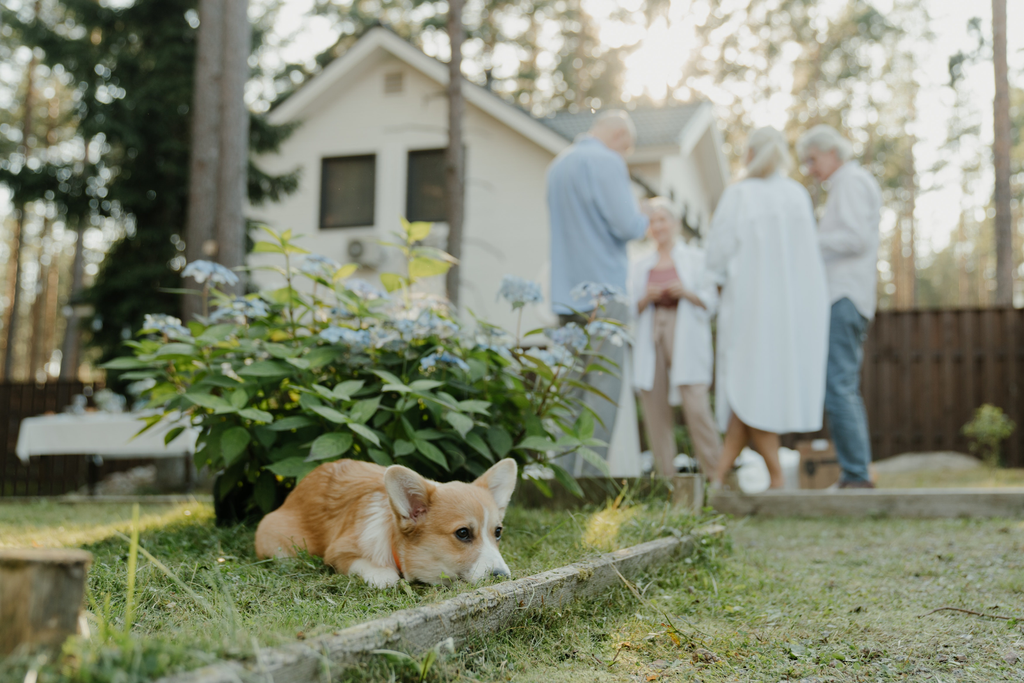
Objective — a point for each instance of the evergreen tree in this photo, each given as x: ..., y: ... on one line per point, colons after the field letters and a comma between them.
x: 132, y: 69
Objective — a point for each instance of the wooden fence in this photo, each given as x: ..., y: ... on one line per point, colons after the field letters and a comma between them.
x: 43, y: 476
x: 925, y: 373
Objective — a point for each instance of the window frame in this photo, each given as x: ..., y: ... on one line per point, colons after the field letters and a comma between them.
x: 372, y: 156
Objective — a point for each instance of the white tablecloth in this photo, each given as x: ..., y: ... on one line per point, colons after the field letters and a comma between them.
x: 109, y: 435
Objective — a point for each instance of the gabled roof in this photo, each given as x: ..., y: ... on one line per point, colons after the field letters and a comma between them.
x: 381, y: 39
x: 654, y: 127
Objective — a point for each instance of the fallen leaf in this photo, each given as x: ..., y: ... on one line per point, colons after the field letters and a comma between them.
x: 1011, y: 657
x: 705, y: 656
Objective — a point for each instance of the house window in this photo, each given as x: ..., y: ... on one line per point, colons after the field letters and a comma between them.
x: 347, y: 191
x: 425, y: 200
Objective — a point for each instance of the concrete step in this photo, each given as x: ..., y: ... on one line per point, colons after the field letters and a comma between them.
x: 911, y: 503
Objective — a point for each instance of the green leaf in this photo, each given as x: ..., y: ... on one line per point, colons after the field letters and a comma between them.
x: 233, y: 443
x: 329, y: 445
x: 344, y: 390
x: 416, y: 231
x: 364, y: 432
x: 331, y: 414
x: 216, y: 333
x: 584, y: 426
x: 425, y: 384
x: 500, y: 440
x: 267, y: 248
x: 172, y: 434
x: 389, y: 378
x: 209, y: 401
x: 238, y: 398
x: 321, y: 356
x: 421, y: 267
x: 460, y: 422
x: 125, y: 363
x: 474, y: 406
x: 595, y: 460
x: 176, y: 349
x: 324, y: 391
x: 403, y: 447
x: 363, y: 410
x: 345, y: 271
x: 536, y: 443
x: 292, y: 422
x: 265, y: 436
x: 266, y: 368
x: 392, y: 281
x: 566, y: 480
x: 292, y: 467
x: 256, y: 415
x: 427, y: 434
x: 479, y: 445
x: 432, y: 452
x: 380, y: 457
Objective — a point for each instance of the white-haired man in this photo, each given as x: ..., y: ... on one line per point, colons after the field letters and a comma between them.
x: 848, y: 237
x: 593, y: 215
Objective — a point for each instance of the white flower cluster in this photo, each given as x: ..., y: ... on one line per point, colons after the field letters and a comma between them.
x: 165, y: 324
x: 615, y: 334
x: 202, y: 271
x: 593, y: 294
x: 554, y: 356
x: 316, y: 265
x: 364, y: 290
x: 357, y: 339
x: 241, y: 307
x: 570, y: 336
x: 519, y: 292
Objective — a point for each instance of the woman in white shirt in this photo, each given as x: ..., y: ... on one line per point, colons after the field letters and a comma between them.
x: 672, y: 357
x: 773, y: 321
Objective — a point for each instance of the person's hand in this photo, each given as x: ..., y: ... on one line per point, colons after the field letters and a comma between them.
x: 677, y: 291
x: 654, y: 292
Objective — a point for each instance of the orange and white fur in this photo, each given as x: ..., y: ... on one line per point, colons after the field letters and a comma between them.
x: 384, y: 524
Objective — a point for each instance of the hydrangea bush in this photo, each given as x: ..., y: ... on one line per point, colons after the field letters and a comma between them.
x: 284, y: 380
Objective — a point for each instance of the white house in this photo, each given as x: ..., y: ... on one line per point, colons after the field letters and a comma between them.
x: 370, y: 146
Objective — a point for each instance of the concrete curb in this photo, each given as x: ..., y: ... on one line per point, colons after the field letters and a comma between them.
x: 416, y: 630
x: 907, y: 503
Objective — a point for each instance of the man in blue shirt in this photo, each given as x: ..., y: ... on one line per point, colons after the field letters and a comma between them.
x: 593, y: 215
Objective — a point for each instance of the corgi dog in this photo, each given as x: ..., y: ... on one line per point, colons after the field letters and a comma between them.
x: 383, y: 524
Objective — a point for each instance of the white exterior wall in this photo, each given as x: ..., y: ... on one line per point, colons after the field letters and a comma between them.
x: 506, y: 225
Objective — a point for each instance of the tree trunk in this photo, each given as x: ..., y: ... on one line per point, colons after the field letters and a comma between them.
x: 1001, y: 155
x: 234, y: 140
x: 40, y: 596
x: 455, y: 160
x: 37, y: 353
x: 14, y: 268
x: 72, y: 335
x: 205, y: 149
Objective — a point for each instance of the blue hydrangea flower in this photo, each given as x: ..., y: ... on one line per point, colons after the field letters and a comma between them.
x: 519, y: 292
x: 555, y: 356
x: 316, y: 265
x: 357, y: 339
x: 364, y: 290
x: 571, y: 336
x: 240, y: 306
x: 342, y: 312
x: 431, y: 324
x: 381, y: 337
x: 165, y: 324
x: 445, y: 358
x: 616, y: 334
x: 202, y: 271
x: 593, y: 294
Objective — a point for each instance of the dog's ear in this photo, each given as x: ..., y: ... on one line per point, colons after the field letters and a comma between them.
x: 408, y: 492
x: 500, y: 480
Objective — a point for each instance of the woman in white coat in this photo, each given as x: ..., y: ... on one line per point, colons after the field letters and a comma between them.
x: 672, y: 356
x: 773, y: 321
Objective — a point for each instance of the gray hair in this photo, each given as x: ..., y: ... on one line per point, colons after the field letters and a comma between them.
x: 824, y: 139
x: 613, y: 119
x: 767, y: 152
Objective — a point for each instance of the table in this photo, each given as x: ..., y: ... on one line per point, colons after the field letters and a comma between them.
x: 100, y: 435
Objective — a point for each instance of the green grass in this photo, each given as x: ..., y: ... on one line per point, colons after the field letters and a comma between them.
x: 214, y: 598
x: 817, y: 600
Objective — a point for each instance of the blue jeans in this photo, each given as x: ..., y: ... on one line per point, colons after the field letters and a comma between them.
x: 847, y: 419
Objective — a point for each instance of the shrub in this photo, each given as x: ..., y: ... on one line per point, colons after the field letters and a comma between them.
x: 986, y: 432
x: 284, y: 380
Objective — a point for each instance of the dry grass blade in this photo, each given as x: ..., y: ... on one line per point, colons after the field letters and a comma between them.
x: 968, y: 611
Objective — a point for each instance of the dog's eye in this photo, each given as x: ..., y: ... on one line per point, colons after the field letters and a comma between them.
x: 497, y: 533
x: 464, y: 534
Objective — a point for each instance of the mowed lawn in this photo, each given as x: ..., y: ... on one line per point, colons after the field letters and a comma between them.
x: 808, y: 599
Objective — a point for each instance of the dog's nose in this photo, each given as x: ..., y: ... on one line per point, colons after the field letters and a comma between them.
x: 501, y: 571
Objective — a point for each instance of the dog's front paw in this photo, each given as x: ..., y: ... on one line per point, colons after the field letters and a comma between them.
x: 378, y: 577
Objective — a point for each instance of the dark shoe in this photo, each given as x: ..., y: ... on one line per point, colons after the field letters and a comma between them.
x: 856, y: 485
